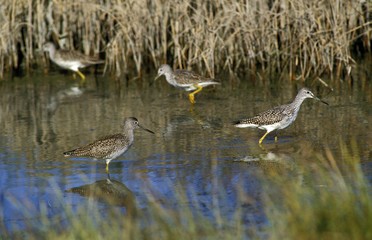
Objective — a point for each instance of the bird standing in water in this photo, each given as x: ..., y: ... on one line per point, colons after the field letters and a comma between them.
x: 110, y: 147
x: 71, y: 60
x: 186, y: 80
x: 279, y: 117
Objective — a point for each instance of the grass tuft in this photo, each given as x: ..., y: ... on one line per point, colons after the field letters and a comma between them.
x: 334, y: 203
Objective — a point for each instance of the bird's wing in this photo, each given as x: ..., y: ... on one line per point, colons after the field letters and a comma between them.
x: 101, y: 148
x: 191, y: 76
x: 74, y: 55
x: 270, y: 116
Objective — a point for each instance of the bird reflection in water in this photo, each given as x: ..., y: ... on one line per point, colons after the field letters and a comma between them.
x: 72, y: 92
x: 109, y: 191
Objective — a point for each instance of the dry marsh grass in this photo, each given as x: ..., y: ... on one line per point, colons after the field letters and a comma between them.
x: 299, y: 37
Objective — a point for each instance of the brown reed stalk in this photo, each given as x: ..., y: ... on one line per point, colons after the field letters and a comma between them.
x: 299, y: 37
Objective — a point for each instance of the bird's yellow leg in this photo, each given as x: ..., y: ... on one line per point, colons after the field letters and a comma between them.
x: 191, y: 95
x: 107, y: 168
x: 263, y: 137
x: 81, y: 75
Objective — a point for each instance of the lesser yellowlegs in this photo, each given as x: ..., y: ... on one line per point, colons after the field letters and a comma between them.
x: 279, y: 117
x: 110, y: 147
x: 70, y: 59
x: 186, y: 80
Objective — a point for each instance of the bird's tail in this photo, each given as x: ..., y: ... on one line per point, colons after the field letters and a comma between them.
x: 99, y: 61
x: 96, y: 61
x: 243, y: 123
x: 238, y: 123
x: 69, y: 153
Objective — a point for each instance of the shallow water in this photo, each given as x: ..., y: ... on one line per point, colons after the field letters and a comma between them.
x: 195, y: 149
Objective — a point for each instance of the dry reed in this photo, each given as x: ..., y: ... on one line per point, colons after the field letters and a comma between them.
x: 299, y: 37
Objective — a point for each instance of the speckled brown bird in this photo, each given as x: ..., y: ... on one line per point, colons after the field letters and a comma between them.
x: 186, y: 80
x: 109, y: 147
x: 70, y: 59
x: 279, y: 117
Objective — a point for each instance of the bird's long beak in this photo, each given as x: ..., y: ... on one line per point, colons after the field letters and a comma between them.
x: 320, y: 100
x: 148, y: 130
x: 152, y: 82
x: 157, y: 77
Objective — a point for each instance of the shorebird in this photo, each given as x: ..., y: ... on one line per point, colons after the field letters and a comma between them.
x: 71, y: 60
x: 279, y: 117
x: 109, y: 147
x: 187, y: 80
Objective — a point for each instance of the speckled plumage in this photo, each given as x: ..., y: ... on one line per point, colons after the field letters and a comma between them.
x: 187, y: 80
x: 270, y: 116
x: 72, y: 60
x: 279, y: 117
x: 109, y: 147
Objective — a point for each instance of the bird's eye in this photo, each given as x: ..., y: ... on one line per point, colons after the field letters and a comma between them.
x: 136, y: 122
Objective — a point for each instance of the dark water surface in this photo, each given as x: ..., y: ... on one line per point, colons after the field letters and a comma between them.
x: 195, y: 149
